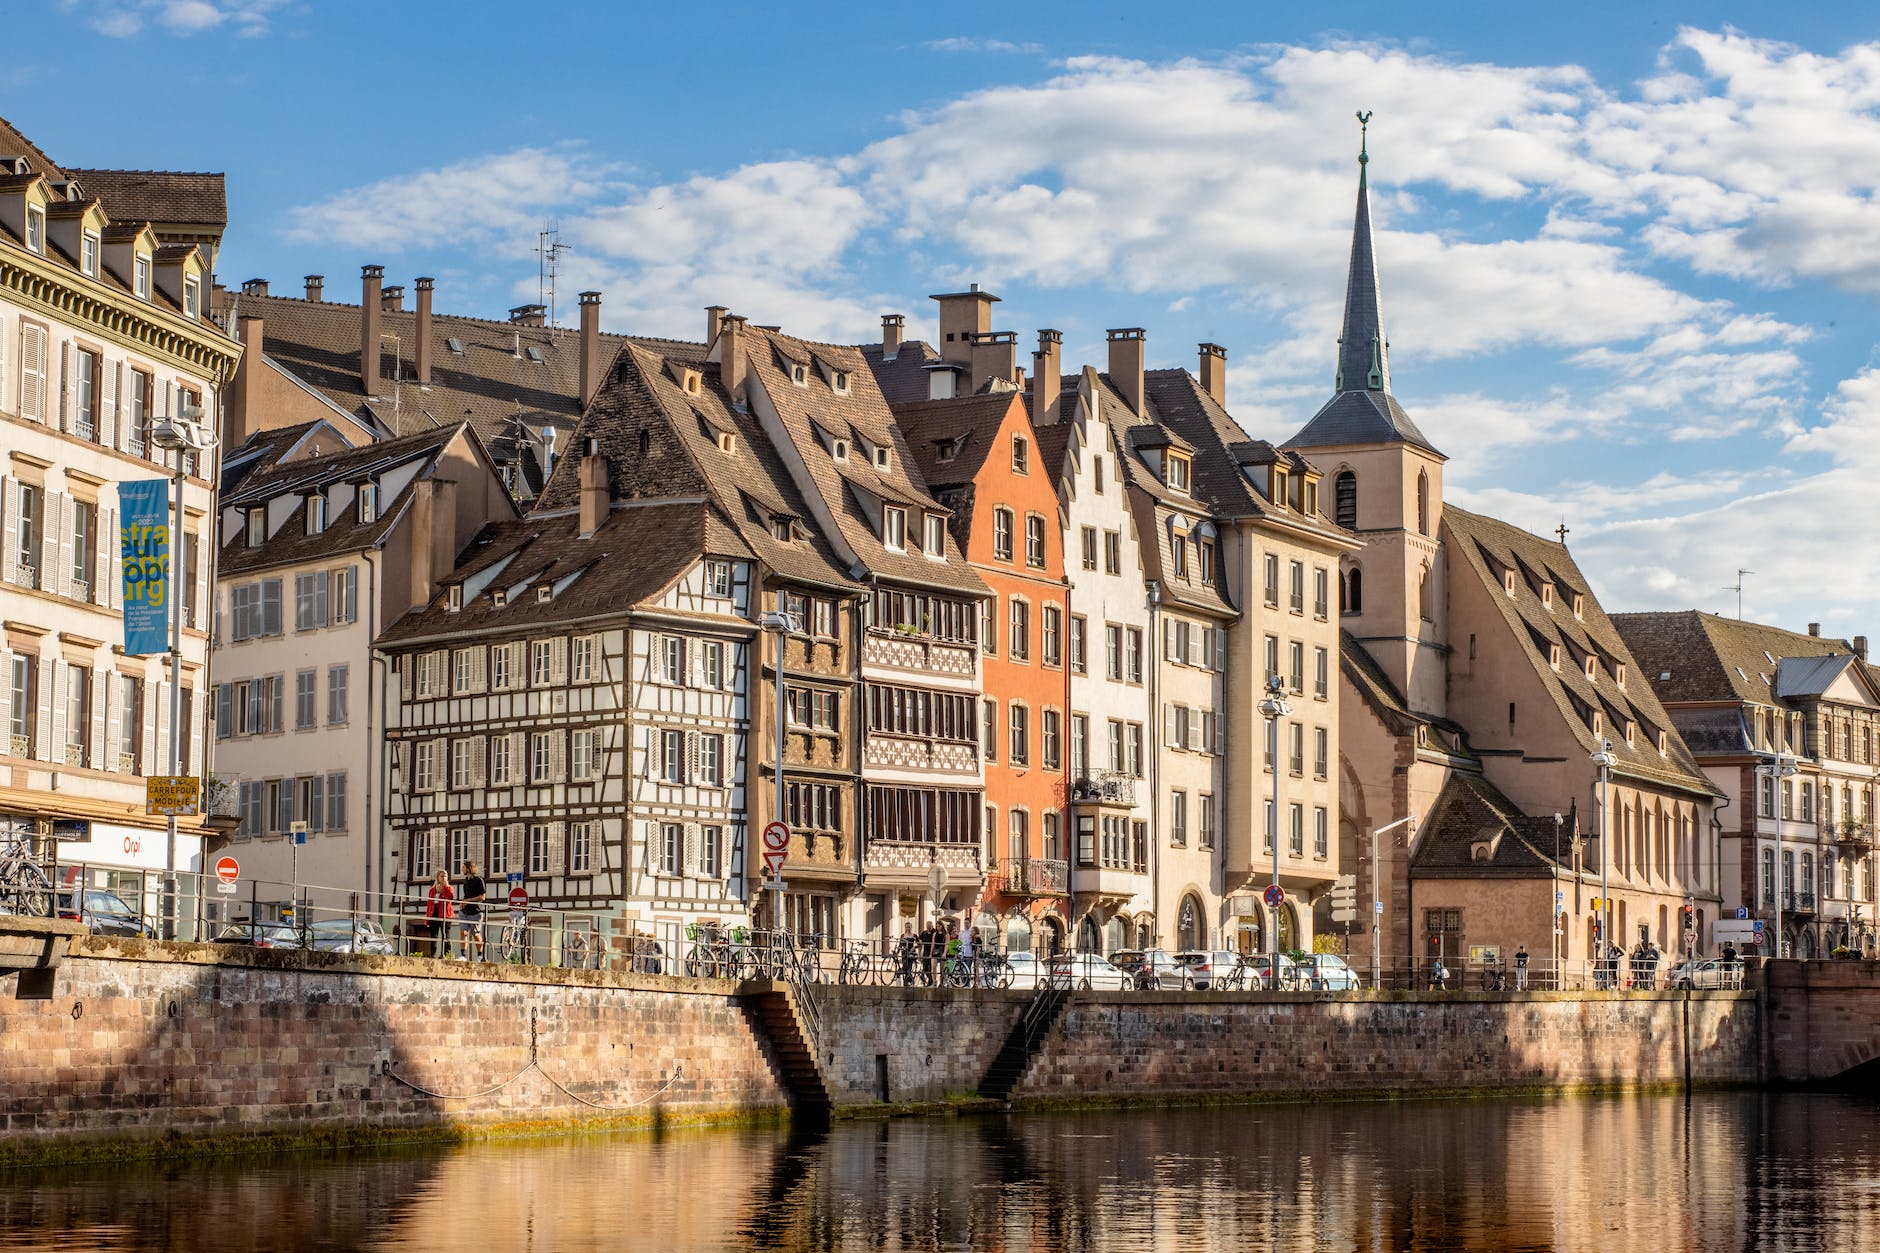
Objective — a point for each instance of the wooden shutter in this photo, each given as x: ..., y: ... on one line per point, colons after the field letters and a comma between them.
x: 479, y: 761
x: 114, y: 717
x: 10, y: 532
x: 102, y: 757
x: 33, y: 372
x: 557, y: 844
x: 60, y: 674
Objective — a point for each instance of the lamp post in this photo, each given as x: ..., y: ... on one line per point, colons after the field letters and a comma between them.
x: 1605, y: 760
x: 180, y: 434
x: 1377, y: 902
x: 1275, y: 708
x: 1781, y: 766
x: 783, y: 625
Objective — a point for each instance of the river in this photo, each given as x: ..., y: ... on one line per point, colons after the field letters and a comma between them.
x: 1725, y: 1171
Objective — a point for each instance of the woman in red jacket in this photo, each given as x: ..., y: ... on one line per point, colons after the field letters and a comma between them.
x: 437, y: 913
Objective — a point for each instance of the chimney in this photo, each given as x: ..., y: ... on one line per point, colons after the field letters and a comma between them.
x: 246, y: 408
x: 963, y: 316
x: 1126, y: 365
x: 594, y: 498
x: 421, y: 350
x: 1046, y: 377
x: 1213, y: 372
x: 1814, y: 629
x: 590, y: 346
x: 995, y: 356
x: 370, y: 367
x: 892, y: 325
x: 392, y: 300
x: 1860, y: 647
x: 731, y: 361
x: 255, y: 287
x: 714, y: 314
x: 529, y: 315
x: 316, y: 286
x: 433, y: 538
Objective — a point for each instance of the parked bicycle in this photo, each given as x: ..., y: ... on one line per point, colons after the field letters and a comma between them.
x: 24, y: 888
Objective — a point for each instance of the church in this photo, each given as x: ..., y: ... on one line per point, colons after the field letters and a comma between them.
x: 1506, y: 777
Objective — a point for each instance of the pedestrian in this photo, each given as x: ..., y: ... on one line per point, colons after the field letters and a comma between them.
x: 470, y: 918
x: 437, y: 914
x: 1520, y: 968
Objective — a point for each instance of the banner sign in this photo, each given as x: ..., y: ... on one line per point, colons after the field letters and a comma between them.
x: 144, y: 510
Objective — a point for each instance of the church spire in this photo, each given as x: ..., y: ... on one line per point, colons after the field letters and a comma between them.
x: 1363, y: 353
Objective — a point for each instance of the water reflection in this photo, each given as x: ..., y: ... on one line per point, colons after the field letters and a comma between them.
x: 1735, y: 1171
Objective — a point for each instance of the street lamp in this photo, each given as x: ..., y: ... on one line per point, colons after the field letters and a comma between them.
x: 1605, y: 760
x: 1377, y: 902
x: 784, y: 625
x: 1780, y: 767
x: 1275, y: 708
x: 182, y: 433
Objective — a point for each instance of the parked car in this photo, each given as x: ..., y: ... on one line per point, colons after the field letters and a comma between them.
x: 1328, y: 972
x: 1027, y: 970
x: 1156, y: 971
x: 259, y: 935
x: 350, y: 935
x: 1088, y: 971
x: 1212, y: 969
x: 1713, y: 972
x: 105, y: 913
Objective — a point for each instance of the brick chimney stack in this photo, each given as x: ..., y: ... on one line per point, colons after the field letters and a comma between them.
x: 1046, y: 376
x: 594, y: 493
x: 370, y: 367
x: 1213, y: 372
x: 316, y: 288
x: 731, y: 362
x: 892, y: 327
x: 1126, y: 345
x: 421, y: 351
x: 590, y: 346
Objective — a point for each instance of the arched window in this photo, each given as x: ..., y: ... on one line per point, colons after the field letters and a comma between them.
x: 1345, y: 500
x: 1425, y: 596
x: 1190, y: 930
x: 1353, y: 601
x: 1423, y: 502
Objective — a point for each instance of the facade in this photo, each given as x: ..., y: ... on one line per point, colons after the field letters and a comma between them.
x: 103, y: 334
x: 323, y: 545
x: 1787, y: 725
x: 1482, y: 678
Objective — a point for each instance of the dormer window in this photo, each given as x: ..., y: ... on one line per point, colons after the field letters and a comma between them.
x: 1021, y: 455
x: 316, y: 513
x: 368, y: 502
x: 727, y: 442
x: 1507, y: 581
x: 257, y: 527
x: 1180, y: 472
x: 883, y: 459
x: 894, y: 528
x: 840, y: 381
x: 799, y: 374
x: 1547, y: 596
x: 839, y: 449
x: 453, y: 598
x: 192, y: 297
x: 88, y: 254
x: 1579, y: 605
x: 936, y: 535
x: 35, y: 229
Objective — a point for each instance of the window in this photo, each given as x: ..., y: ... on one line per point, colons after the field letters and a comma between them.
x: 31, y: 527
x: 1090, y: 547
x: 1052, y: 639
x: 310, y: 601
x: 1021, y: 455
x: 1020, y: 635
x: 1034, y: 541
x: 1134, y: 656
x: 1112, y: 552
x: 1079, y: 630
x: 936, y: 545
x: 672, y: 660
x: 1180, y: 472
x: 1178, y: 819
x: 1050, y: 732
x: 1002, y: 523
x: 1021, y: 735
x: 306, y: 700
x: 35, y: 228
x: 140, y: 280
x: 1272, y: 579
x: 894, y: 528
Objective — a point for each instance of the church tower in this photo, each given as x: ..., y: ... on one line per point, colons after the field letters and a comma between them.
x: 1385, y: 483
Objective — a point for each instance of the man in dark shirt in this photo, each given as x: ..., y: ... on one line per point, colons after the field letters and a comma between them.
x: 470, y: 917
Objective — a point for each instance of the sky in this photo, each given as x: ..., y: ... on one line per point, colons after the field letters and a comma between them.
x: 1630, y: 253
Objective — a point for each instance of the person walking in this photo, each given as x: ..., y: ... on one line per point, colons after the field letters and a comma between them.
x: 1520, y: 968
x: 470, y: 918
x: 438, y: 909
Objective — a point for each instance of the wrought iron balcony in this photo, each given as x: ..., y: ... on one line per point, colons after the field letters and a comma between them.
x: 1110, y: 787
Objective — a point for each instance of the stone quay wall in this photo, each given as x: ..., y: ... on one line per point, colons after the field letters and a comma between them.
x: 145, y: 1040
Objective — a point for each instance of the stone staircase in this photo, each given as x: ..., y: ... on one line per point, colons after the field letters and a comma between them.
x: 1022, y: 1044
x: 771, y: 1006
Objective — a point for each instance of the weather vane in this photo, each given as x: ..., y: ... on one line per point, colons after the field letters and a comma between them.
x: 1364, y: 132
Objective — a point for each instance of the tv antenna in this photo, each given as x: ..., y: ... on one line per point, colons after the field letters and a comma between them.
x: 1737, y: 587
x: 549, y: 249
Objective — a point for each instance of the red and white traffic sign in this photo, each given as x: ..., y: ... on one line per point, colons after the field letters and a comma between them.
x: 518, y: 899
x: 776, y: 848
x: 228, y: 870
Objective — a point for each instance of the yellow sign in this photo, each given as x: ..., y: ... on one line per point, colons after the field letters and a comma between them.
x: 176, y: 794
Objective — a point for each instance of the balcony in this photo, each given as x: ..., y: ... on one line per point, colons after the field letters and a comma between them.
x: 1035, y: 876
x: 1110, y: 787
x: 920, y: 654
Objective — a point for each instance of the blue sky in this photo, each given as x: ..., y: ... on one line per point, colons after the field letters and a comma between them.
x: 1630, y: 253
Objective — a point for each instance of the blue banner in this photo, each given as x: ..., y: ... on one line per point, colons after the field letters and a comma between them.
x: 144, y: 513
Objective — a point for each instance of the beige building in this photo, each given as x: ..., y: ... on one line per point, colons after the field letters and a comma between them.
x: 102, y: 335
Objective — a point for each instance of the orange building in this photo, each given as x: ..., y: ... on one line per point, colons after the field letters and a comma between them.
x: 979, y: 457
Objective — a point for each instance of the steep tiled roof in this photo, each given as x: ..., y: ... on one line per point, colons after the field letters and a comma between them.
x: 1712, y: 658
x: 172, y: 197
x: 1473, y: 829
x: 1488, y: 549
x: 635, y: 555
